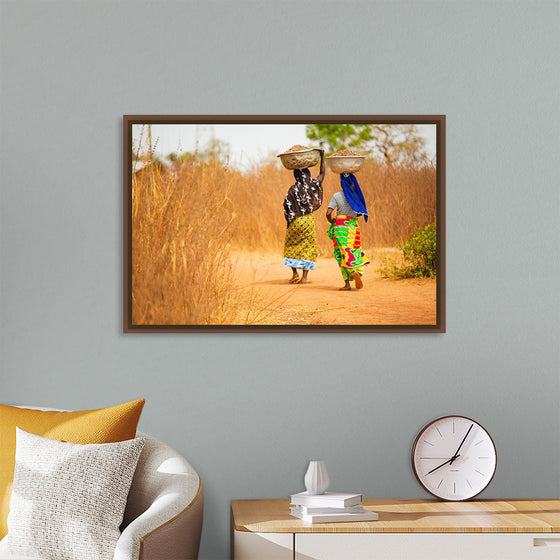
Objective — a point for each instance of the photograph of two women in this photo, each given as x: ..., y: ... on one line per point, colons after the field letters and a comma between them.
x: 286, y: 223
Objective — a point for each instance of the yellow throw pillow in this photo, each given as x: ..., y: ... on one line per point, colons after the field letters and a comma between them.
x: 104, y: 425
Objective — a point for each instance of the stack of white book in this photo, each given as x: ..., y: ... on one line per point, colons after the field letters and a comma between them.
x: 330, y: 507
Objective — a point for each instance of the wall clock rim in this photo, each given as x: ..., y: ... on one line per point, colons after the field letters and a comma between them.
x: 423, y: 430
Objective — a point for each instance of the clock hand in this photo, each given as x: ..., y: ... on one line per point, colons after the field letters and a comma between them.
x: 446, y: 462
x: 461, y: 445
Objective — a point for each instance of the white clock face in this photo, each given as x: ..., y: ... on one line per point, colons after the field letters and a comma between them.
x: 454, y: 458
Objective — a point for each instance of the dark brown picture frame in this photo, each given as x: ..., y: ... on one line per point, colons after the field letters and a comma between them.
x: 130, y: 120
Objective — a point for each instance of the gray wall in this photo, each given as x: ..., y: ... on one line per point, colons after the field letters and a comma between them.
x: 250, y: 410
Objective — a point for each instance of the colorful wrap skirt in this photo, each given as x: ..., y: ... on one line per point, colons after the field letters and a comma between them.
x: 345, y: 234
x: 300, y: 245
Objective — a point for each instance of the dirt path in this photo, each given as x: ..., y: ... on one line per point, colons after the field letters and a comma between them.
x: 320, y: 302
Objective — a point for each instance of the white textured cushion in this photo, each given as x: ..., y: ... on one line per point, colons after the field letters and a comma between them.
x: 18, y: 557
x: 68, y: 499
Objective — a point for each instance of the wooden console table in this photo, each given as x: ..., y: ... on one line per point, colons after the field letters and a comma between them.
x: 406, y: 530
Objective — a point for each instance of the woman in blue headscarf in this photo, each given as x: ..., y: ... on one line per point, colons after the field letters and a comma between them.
x: 345, y: 230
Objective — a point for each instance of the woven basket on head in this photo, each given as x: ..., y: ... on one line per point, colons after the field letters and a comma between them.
x: 298, y: 159
x: 345, y: 164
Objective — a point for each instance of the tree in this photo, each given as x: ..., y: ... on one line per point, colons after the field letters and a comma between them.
x: 333, y: 137
x: 394, y: 143
x: 215, y: 150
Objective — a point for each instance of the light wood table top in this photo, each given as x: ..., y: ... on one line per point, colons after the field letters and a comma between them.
x: 409, y: 516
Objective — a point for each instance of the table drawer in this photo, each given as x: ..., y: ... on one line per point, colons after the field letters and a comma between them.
x: 427, y: 546
x: 262, y: 546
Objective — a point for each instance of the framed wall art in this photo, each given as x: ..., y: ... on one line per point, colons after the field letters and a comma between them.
x: 253, y: 223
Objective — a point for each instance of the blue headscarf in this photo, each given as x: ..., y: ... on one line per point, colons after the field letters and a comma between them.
x: 353, y: 194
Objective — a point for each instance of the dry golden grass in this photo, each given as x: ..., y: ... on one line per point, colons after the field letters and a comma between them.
x: 181, y: 224
x: 395, y: 197
x: 189, y: 221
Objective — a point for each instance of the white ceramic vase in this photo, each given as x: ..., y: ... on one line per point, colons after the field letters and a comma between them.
x: 316, y: 478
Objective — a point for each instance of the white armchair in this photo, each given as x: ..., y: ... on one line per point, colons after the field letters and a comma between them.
x: 163, y: 516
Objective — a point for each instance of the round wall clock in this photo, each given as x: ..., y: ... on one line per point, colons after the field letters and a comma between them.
x: 454, y: 458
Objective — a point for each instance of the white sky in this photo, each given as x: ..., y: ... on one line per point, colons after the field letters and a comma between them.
x: 248, y: 143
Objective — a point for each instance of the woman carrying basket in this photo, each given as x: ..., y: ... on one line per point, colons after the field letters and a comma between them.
x: 345, y: 230
x: 303, y: 198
